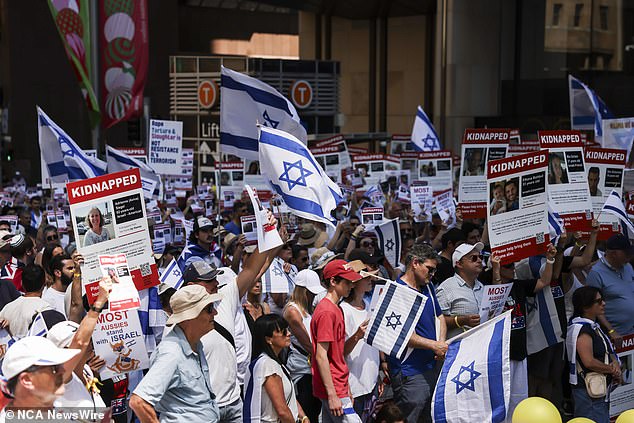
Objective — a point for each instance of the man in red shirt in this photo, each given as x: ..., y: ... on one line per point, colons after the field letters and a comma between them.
x: 327, y: 328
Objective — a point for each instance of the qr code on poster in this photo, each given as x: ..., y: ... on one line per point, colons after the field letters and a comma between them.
x: 539, y: 238
x: 145, y: 269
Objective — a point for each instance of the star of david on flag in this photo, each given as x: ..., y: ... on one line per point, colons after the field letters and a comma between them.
x: 424, y: 136
x: 172, y: 275
x: 394, y: 319
x: 475, y: 381
x: 295, y: 175
x: 275, y: 280
x: 245, y: 101
x: 389, y: 236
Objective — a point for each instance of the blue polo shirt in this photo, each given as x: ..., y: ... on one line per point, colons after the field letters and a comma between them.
x: 420, y: 361
x: 617, y: 286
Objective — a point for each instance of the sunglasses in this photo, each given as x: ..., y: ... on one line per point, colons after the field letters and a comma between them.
x: 599, y: 300
x: 210, y: 308
x: 283, y: 332
x: 431, y: 270
x: 52, y: 237
x: 55, y: 369
x: 476, y: 258
x: 368, y: 244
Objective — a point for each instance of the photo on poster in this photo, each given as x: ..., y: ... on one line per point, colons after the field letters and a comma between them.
x: 94, y: 223
x: 473, y: 161
x: 427, y: 170
x: 557, y: 169
x: 505, y: 196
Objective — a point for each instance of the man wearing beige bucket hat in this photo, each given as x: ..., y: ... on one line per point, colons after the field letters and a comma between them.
x: 177, y: 384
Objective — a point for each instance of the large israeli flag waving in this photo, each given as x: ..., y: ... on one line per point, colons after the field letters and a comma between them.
x: 389, y: 235
x: 424, y: 136
x: 394, y: 319
x: 119, y: 161
x: 65, y: 161
x: 614, y: 206
x: 475, y: 381
x: 245, y: 102
x: 296, y: 176
x: 586, y: 108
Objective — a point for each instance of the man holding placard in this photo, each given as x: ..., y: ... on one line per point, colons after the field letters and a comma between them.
x: 414, y: 376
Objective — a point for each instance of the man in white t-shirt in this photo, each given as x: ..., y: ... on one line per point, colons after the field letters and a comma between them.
x: 63, y: 268
x: 219, y: 345
x: 19, y: 313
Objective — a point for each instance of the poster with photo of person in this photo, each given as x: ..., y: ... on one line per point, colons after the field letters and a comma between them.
x: 568, y: 192
x: 436, y: 168
x: 517, y: 213
x: 478, y: 147
x: 604, y: 170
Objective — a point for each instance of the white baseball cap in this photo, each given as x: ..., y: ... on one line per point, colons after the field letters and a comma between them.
x: 309, y: 279
x: 34, y: 351
x: 227, y: 275
x: 464, y: 249
x: 62, y: 333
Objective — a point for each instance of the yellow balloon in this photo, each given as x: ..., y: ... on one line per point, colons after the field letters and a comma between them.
x: 581, y: 420
x: 626, y: 417
x: 536, y: 409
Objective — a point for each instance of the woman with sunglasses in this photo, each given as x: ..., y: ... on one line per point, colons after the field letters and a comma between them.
x: 590, y: 350
x: 269, y: 393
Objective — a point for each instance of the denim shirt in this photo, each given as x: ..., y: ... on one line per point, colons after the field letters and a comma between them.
x: 177, y: 384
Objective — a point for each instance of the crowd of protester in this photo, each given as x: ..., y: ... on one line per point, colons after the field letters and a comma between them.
x: 230, y: 352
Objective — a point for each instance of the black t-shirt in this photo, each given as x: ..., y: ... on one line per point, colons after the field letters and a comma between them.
x: 598, y: 352
x: 444, y: 270
x: 522, y: 288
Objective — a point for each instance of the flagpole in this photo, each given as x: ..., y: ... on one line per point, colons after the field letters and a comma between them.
x: 94, y: 66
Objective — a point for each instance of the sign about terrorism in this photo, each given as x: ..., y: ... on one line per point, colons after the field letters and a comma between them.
x: 166, y: 143
x: 604, y: 170
x: 108, y: 215
x: 517, y: 211
x: 568, y: 192
x: 478, y: 147
x: 119, y: 341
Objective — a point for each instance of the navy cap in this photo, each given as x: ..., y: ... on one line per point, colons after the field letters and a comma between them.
x: 619, y: 242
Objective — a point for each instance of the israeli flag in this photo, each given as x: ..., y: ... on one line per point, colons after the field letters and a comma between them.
x: 394, y: 319
x: 38, y: 326
x: 295, y: 175
x: 389, y: 235
x: 375, y: 195
x: 245, y: 102
x: 276, y: 280
x: 65, y: 161
x: 6, y: 340
x: 172, y: 275
x: 152, y: 318
x: 543, y: 329
x: 424, y: 136
x: 555, y: 224
x: 586, y: 108
x: 475, y: 381
x: 119, y: 161
x: 614, y: 206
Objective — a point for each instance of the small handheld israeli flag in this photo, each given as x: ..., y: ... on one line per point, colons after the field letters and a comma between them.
x: 424, y: 136
x: 296, y: 176
x: 614, y: 206
x: 276, y: 280
x: 65, y: 161
x: 555, y: 224
x: 586, y: 108
x: 38, y: 326
x: 245, y: 102
x: 394, y: 319
x: 389, y: 235
x: 172, y: 275
x: 475, y: 381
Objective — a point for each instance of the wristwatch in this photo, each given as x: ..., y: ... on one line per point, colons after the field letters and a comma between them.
x: 97, y: 309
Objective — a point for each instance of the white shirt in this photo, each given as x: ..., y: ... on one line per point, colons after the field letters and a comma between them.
x: 268, y: 414
x: 55, y: 299
x: 76, y: 394
x: 20, y: 313
x: 243, y: 344
x: 363, y: 360
x: 220, y: 354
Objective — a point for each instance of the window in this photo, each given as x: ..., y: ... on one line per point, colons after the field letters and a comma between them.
x: 603, y: 17
x: 556, y: 13
x: 577, y: 17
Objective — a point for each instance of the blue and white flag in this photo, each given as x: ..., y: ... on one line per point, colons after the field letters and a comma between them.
x: 376, y: 196
x: 296, y: 176
x: 389, y: 235
x: 6, y: 340
x: 424, y: 136
x: 586, y: 108
x: 65, y: 161
x: 394, y: 319
x: 245, y: 102
x: 119, y: 161
x: 555, y: 224
x: 38, y: 326
x: 543, y: 328
x: 172, y: 275
x: 475, y: 381
x: 151, y: 317
x: 275, y: 280
x: 253, y: 382
x: 614, y: 206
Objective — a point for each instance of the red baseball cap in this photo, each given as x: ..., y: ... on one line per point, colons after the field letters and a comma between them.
x: 342, y: 269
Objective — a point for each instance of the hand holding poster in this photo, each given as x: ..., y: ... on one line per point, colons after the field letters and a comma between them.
x: 268, y: 236
x: 517, y: 215
x: 371, y: 216
x: 118, y: 340
x: 445, y: 205
x: 249, y: 229
x: 478, y: 147
x: 568, y: 192
x: 605, y: 173
x: 421, y: 202
x: 494, y: 300
x: 124, y: 295
x: 436, y: 168
x: 108, y: 214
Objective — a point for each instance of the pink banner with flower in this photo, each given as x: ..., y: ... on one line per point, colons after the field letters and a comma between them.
x: 123, y: 41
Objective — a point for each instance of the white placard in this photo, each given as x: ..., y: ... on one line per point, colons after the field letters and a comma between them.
x: 494, y: 300
x: 166, y: 143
